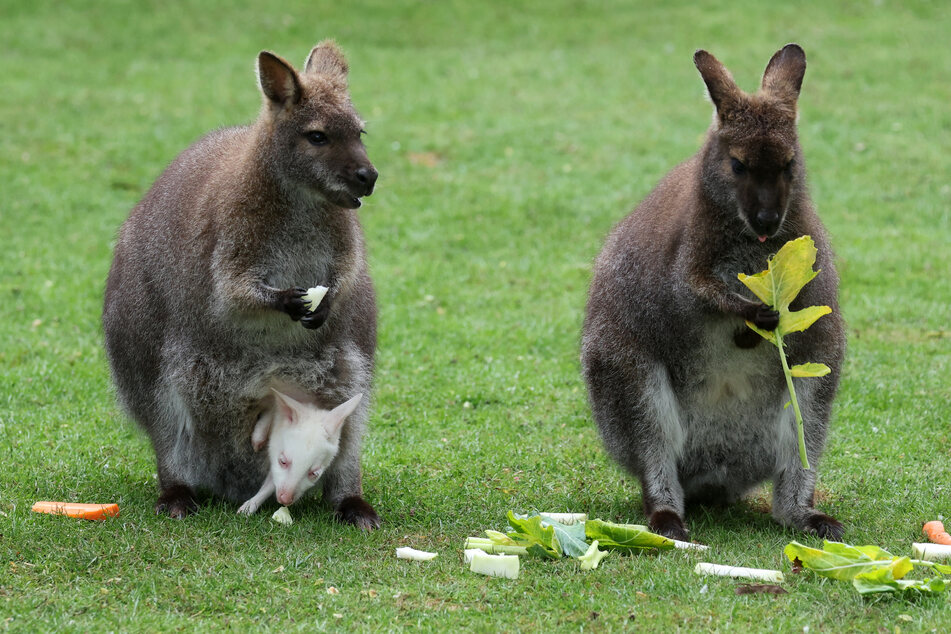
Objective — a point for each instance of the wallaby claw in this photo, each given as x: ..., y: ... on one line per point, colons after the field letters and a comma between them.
x: 291, y: 301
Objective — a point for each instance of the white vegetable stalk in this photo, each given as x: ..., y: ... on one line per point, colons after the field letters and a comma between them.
x: 494, y: 565
x: 689, y: 545
x: 755, y: 574
x: 566, y: 518
x: 282, y: 516
x: 415, y: 555
x: 487, y: 545
x: 931, y: 552
x: 313, y: 297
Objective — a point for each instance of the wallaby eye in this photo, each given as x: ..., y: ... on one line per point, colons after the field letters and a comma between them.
x: 316, y: 137
x: 738, y: 168
x: 789, y: 166
x: 313, y: 474
x: 282, y: 460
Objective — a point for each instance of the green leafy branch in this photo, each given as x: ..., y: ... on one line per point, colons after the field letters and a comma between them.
x: 785, y: 275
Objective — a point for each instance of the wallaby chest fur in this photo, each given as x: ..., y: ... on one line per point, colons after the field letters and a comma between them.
x: 203, y: 309
x: 680, y: 400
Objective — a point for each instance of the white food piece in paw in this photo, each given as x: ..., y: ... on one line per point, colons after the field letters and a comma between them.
x: 313, y: 297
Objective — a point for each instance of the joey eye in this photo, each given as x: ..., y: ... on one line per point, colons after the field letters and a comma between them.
x: 313, y: 474
x: 738, y: 168
x: 316, y: 137
x: 283, y: 461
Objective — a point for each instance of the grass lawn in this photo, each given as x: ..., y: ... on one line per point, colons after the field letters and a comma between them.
x: 510, y: 137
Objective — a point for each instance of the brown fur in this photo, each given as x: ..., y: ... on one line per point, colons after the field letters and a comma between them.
x: 208, y: 278
x: 683, y: 396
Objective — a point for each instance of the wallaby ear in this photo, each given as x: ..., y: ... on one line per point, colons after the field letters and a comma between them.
x: 783, y: 75
x: 340, y: 413
x: 278, y: 79
x: 723, y: 91
x: 327, y: 59
x: 288, y: 407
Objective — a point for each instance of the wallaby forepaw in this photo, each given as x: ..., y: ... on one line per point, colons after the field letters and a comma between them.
x: 765, y: 318
x: 747, y: 339
x: 315, y: 319
x: 355, y: 510
x: 248, y: 508
x: 292, y: 302
x: 668, y: 524
x: 825, y: 526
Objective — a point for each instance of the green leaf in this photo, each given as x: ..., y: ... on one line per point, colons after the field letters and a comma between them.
x: 844, y: 562
x: 571, y: 537
x: 529, y: 532
x: 624, y: 536
x: 500, y: 538
x: 882, y: 580
x: 785, y: 275
x: 799, y: 320
x: 809, y: 369
x: 765, y: 334
x: 592, y: 557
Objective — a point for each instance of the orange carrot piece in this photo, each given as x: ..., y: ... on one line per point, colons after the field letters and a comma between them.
x: 75, y: 509
x: 936, y: 533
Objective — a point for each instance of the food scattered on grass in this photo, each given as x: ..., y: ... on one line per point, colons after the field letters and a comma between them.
x: 737, y: 572
x: 870, y: 568
x: 283, y: 516
x: 77, y: 510
x: 415, y: 555
x: 931, y: 552
x: 494, y: 565
x: 936, y: 534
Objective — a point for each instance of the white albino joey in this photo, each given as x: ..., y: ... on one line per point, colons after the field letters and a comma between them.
x: 302, y: 440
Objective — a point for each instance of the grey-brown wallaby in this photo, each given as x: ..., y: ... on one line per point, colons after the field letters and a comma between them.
x: 683, y: 396
x: 204, y: 308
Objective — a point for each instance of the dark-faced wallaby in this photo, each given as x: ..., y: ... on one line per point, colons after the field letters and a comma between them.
x: 683, y: 396
x: 205, y: 309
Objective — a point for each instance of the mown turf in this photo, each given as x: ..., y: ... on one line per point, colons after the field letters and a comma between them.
x: 510, y: 137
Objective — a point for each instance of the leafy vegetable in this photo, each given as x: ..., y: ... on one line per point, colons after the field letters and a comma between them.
x: 592, y: 557
x: 869, y: 568
x: 786, y: 274
x: 537, y: 538
x: 625, y: 536
x: 491, y: 546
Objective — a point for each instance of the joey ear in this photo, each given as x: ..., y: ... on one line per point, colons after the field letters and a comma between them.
x: 783, y: 75
x: 340, y: 413
x: 278, y: 79
x: 288, y: 407
x: 327, y: 59
x: 723, y: 91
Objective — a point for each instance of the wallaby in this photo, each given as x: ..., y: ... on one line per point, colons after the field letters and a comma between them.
x: 302, y: 439
x: 208, y: 279
x: 683, y: 396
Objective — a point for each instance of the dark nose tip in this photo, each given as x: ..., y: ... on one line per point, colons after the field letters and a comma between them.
x: 367, y: 177
x: 768, y: 220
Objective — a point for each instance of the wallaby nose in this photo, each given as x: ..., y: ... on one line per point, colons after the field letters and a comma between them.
x: 367, y: 177
x: 767, y: 221
x: 285, y: 497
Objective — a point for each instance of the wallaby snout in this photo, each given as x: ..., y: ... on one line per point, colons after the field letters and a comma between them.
x: 366, y: 176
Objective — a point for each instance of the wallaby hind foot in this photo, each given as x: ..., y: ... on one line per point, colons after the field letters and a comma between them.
x: 176, y: 501
x: 358, y: 512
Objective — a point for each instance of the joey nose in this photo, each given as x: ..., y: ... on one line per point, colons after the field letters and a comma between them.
x: 366, y: 176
